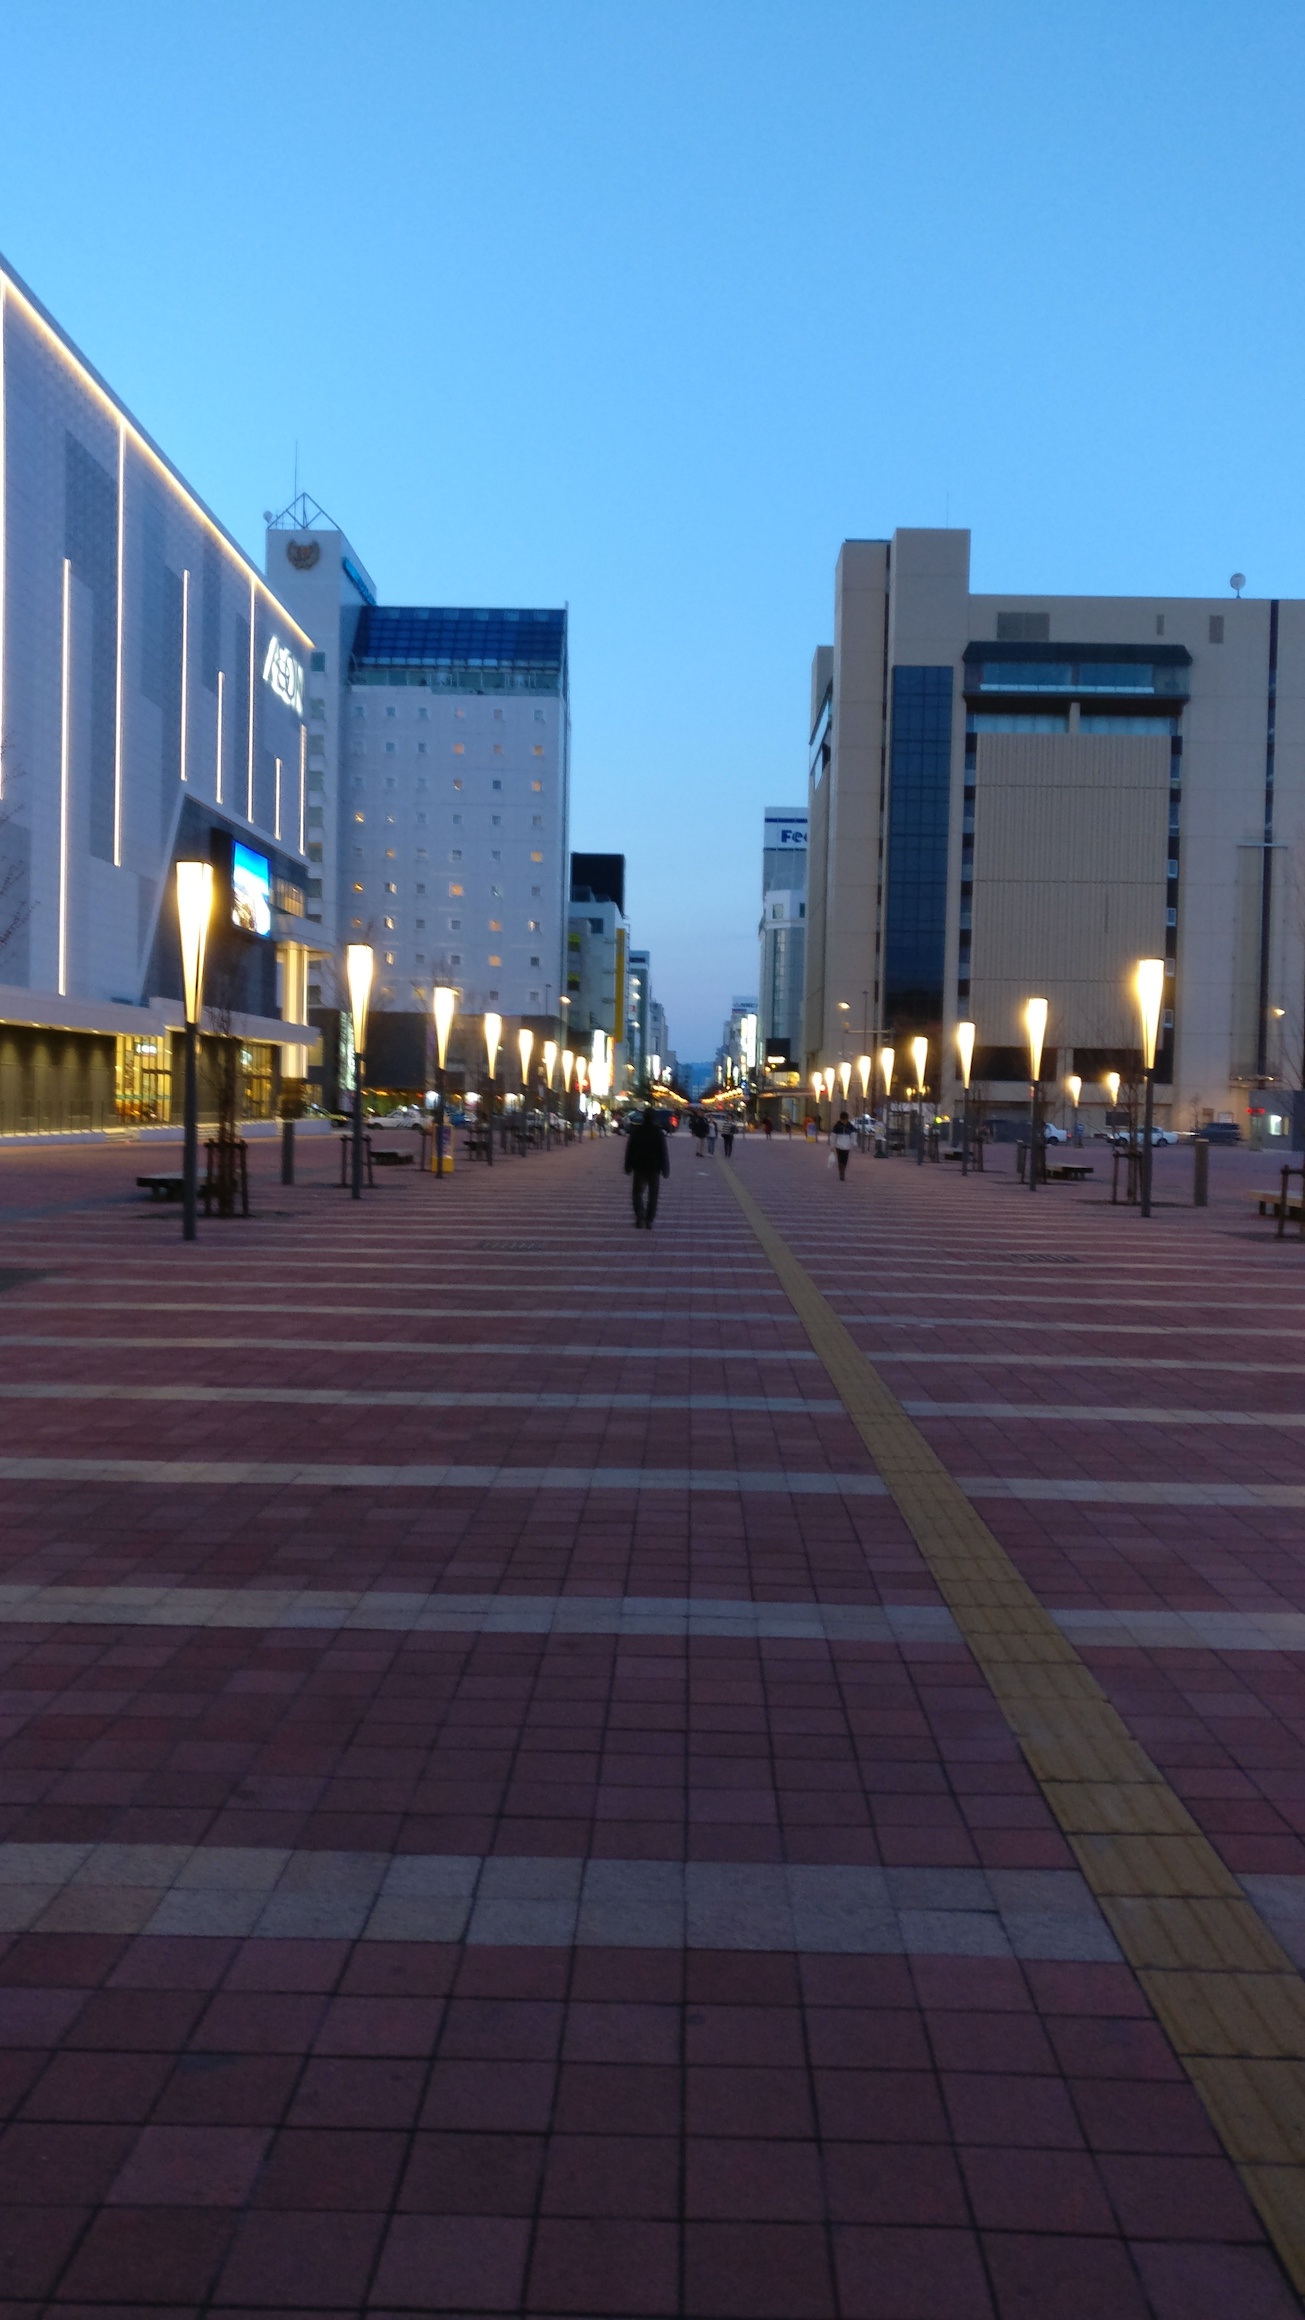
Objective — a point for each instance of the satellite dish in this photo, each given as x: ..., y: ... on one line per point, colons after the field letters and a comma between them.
x: 1237, y: 583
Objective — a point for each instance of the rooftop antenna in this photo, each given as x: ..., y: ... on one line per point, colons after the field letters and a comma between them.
x: 295, y: 494
x: 1237, y: 582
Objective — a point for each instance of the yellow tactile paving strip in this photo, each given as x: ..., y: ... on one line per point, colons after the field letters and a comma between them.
x: 1229, y: 1998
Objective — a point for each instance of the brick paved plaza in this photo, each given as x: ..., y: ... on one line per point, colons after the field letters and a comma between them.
x: 498, y: 1814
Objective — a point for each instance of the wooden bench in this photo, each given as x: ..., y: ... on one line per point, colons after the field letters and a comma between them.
x: 384, y: 1156
x: 161, y: 1187
x: 1268, y: 1204
x: 1070, y: 1171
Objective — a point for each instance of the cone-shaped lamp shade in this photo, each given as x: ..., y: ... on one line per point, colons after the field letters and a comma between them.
x: 194, y: 910
x: 887, y: 1058
x: 581, y: 1072
x: 444, y: 1001
x: 965, y: 1051
x: 817, y: 1083
x: 568, y: 1065
x: 1150, y: 995
x: 550, y: 1058
x: 526, y: 1043
x: 829, y: 1079
x: 1075, y: 1087
x: 359, y: 960
x: 920, y: 1050
x: 493, y: 1034
x: 1112, y: 1087
x: 845, y: 1077
x: 1035, y: 1024
x: 865, y: 1068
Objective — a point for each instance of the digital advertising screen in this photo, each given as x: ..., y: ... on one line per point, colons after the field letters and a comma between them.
x: 251, y: 891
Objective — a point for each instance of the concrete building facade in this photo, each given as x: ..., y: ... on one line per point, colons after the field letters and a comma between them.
x: 1021, y: 795
x: 152, y: 705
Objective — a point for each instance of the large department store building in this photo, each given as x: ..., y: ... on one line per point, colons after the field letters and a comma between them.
x: 151, y: 707
x: 1014, y: 796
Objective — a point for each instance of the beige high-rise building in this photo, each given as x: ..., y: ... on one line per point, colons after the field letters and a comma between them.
x: 1018, y: 796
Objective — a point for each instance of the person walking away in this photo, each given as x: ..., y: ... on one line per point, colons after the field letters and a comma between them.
x: 768, y: 1127
x: 698, y: 1126
x: 647, y: 1160
x: 842, y: 1140
x: 712, y: 1132
x: 727, y: 1137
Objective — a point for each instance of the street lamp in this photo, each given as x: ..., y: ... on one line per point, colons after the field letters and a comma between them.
x: 845, y: 1076
x: 1035, y: 1025
x: 920, y: 1050
x: 493, y: 1034
x: 866, y: 1071
x: 194, y: 910
x: 443, y: 1002
x: 359, y: 963
x: 965, y: 1057
x: 1074, y: 1085
x: 526, y: 1045
x: 1111, y: 1084
x: 550, y: 1059
x: 1150, y: 985
x: 829, y: 1093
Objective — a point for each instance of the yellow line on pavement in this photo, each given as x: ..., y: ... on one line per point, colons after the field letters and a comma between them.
x: 1227, y: 1995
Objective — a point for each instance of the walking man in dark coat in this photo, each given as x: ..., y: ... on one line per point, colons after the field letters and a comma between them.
x: 647, y: 1160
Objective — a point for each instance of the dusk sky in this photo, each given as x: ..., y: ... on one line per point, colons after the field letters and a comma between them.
x: 644, y: 309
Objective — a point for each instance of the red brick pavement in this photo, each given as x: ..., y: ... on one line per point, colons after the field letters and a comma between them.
x: 303, y: 2125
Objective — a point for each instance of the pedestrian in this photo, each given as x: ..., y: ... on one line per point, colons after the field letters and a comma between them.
x: 727, y: 1137
x: 768, y: 1127
x: 712, y: 1133
x: 698, y: 1129
x: 647, y: 1160
x: 841, y: 1137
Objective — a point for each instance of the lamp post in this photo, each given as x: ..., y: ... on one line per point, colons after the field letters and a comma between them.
x: 194, y: 910
x: 493, y: 1034
x: 965, y: 1057
x: 1150, y: 984
x: 581, y: 1074
x: 920, y: 1050
x: 550, y: 1058
x: 1074, y: 1086
x: 525, y: 1046
x: 568, y: 1066
x: 444, y: 1002
x: 359, y: 962
x: 1035, y: 1025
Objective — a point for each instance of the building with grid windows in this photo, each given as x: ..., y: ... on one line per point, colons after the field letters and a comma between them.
x: 151, y: 706
x: 438, y: 754
x: 783, y: 931
x: 1015, y: 796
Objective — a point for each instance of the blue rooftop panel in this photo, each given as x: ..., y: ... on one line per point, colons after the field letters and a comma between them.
x: 454, y: 636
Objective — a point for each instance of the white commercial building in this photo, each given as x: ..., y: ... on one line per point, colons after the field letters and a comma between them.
x: 438, y: 759
x: 151, y: 707
x: 783, y: 931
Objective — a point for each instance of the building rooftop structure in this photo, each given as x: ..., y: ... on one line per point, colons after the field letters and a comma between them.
x: 469, y: 650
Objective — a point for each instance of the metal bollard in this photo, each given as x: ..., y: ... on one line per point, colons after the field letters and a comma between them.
x: 287, y: 1151
x: 1201, y: 1173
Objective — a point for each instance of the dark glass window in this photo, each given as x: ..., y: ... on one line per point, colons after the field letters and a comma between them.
x: 918, y: 811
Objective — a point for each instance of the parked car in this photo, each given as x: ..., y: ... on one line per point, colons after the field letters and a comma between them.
x: 1121, y: 1138
x: 1051, y: 1134
x: 404, y: 1116
x: 1218, y: 1132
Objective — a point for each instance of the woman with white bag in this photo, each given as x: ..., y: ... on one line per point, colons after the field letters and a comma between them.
x: 842, y: 1136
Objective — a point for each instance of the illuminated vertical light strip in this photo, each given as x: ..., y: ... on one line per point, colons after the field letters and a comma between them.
x: 117, y: 652
x: 185, y: 673
x: 303, y: 783
x: 221, y: 691
x: 65, y: 733
x: 249, y: 775
x: 277, y: 831
x: 4, y: 428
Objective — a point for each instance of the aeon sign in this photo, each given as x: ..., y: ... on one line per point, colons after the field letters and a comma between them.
x: 285, y: 675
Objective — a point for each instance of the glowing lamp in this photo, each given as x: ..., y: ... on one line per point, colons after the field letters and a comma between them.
x: 526, y: 1043
x: 194, y: 910
x: 829, y: 1079
x: 359, y: 964
x: 550, y: 1058
x: 920, y: 1050
x: 493, y: 1034
x: 965, y: 1052
x: 443, y: 1002
x: 1035, y: 1027
x: 845, y: 1077
x: 1112, y: 1087
x: 887, y: 1058
x: 1075, y: 1087
x: 1150, y: 987
x: 568, y: 1062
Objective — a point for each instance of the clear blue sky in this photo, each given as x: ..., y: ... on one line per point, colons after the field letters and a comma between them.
x: 644, y: 308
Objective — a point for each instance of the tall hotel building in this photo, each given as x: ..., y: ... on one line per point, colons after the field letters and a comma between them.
x: 151, y: 706
x: 437, y: 775
x: 783, y: 932
x: 1015, y: 796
